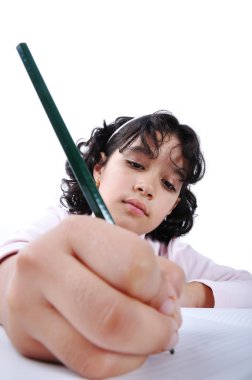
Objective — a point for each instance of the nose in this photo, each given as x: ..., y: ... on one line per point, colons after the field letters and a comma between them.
x: 144, y: 189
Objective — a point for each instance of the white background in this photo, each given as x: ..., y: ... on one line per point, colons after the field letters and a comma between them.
x: 107, y: 58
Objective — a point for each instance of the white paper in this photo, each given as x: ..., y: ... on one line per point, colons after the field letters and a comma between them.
x: 215, y: 344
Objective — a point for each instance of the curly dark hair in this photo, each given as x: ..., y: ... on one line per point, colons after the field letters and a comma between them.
x: 152, y: 130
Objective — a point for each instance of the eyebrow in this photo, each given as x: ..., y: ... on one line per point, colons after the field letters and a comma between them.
x: 137, y: 149
x: 181, y: 172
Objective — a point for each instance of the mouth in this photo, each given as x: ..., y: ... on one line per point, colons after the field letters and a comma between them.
x: 136, y: 207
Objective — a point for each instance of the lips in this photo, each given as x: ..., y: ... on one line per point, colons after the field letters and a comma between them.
x: 141, y: 206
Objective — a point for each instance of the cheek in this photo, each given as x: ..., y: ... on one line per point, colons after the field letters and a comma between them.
x: 110, y: 186
x: 167, y: 205
x: 114, y: 178
x: 161, y: 216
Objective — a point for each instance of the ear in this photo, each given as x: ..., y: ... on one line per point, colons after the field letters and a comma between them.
x: 99, y: 166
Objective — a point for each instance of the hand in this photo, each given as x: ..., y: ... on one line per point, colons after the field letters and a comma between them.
x: 196, y: 294
x: 92, y: 296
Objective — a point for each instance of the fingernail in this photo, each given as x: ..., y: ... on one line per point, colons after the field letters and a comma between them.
x: 172, y: 342
x: 168, y: 307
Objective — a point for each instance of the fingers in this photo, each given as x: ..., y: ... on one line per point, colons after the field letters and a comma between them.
x: 107, y: 293
x: 173, y: 274
x: 174, y: 282
x: 125, y: 261
x: 120, y: 257
x: 47, y: 336
x: 54, y: 336
x: 77, y: 353
x: 106, y: 316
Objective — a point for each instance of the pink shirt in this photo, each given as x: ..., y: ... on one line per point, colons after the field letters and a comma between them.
x: 231, y: 288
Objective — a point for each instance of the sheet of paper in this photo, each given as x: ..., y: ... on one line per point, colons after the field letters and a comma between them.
x: 215, y: 344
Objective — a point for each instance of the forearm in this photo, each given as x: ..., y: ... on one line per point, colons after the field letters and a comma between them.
x: 232, y: 293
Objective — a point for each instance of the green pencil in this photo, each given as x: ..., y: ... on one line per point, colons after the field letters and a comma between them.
x: 77, y: 164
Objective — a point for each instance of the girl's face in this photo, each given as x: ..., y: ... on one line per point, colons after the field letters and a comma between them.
x: 138, y: 191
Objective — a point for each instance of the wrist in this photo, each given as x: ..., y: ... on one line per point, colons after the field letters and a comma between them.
x: 207, y: 297
x: 197, y: 294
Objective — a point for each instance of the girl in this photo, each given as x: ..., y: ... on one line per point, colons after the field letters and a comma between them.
x: 92, y: 295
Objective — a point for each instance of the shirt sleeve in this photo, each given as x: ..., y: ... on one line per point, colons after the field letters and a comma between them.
x: 49, y: 220
x: 231, y: 287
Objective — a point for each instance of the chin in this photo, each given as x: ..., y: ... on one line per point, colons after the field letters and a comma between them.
x: 128, y: 226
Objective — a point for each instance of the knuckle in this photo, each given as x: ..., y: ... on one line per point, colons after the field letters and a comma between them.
x: 32, y: 349
x: 28, y: 261
x: 179, y: 276
x: 26, y: 350
x: 141, y: 271
x: 22, y: 283
x: 70, y: 224
x: 174, y: 274
x: 73, y: 223
x: 25, y: 260
x: 113, y: 323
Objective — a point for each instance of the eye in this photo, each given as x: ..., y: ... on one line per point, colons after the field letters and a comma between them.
x: 134, y: 165
x: 168, y: 185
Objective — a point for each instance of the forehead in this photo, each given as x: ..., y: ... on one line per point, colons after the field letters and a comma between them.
x: 169, y: 149
x: 169, y: 156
